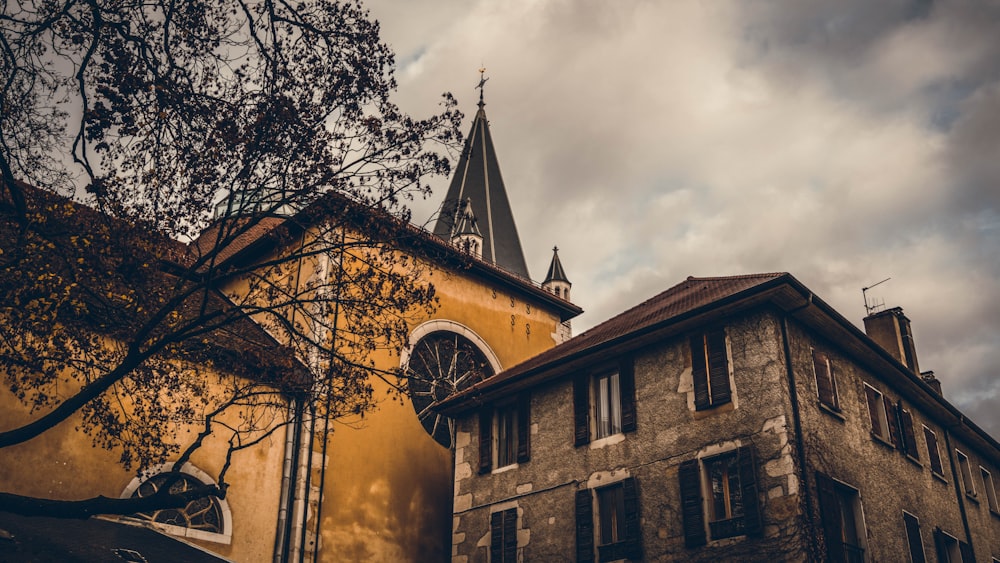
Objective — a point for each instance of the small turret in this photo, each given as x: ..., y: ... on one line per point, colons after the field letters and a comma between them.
x: 467, y: 235
x: 556, y: 281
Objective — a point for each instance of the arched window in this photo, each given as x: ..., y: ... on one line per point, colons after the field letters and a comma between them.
x: 440, y: 363
x: 206, y: 518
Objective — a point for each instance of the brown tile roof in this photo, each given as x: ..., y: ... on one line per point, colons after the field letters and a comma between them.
x: 689, y: 296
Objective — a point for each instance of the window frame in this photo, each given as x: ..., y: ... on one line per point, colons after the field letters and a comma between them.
x: 934, y: 454
x: 823, y: 365
x: 503, y: 536
x: 490, y: 437
x: 965, y: 475
x: 698, y: 512
x: 585, y: 404
x: 880, y: 417
x: 833, y: 491
x: 505, y: 432
x: 591, y: 512
x: 607, y: 399
x: 190, y: 470
x: 990, y: 488
x: 915, y: 557
x: 711, y: 369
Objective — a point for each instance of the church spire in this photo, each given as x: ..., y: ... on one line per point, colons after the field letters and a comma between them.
x: 477, y: 178
x: 556, y: 281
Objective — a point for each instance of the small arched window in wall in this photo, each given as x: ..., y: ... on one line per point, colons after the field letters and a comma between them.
x: 206, y: 518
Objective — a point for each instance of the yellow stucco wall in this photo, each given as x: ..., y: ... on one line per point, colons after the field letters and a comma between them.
x: 63, y: 464
x: 388, y: 486
x: 388, y: 489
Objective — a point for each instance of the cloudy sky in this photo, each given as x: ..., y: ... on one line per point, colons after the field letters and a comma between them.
x: 844, y: 142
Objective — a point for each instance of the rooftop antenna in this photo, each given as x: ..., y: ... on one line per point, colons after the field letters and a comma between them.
x: 874, y: 306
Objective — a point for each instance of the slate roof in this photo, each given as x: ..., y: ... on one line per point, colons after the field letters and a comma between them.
x: 477, y: 177
x: 691, y: 295
x: 556, y: 272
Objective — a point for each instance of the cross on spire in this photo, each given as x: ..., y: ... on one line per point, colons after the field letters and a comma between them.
x: 480, y: 86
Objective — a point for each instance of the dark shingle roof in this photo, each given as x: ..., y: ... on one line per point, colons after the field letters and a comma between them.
x: 686, y: 297
x: 477, y: 177
x: 556, y: 272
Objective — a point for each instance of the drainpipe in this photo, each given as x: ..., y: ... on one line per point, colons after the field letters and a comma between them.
x: 958, y: 490
x: 288, y: 479
x: 797, y: 423
x: 307, y: 482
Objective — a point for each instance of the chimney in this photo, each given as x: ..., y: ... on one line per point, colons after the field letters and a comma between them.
x: 891, y: 330
x: 930, y: 379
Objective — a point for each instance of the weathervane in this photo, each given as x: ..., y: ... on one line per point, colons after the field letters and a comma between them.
x: 482, y: 83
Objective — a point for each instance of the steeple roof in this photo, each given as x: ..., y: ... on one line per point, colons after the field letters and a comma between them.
x: 477, y: 177
x: 467, y: 222
x: 556, y: 272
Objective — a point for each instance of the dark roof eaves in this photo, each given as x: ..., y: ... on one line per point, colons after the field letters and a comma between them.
x: 467, y: 400
x: 900, y: 370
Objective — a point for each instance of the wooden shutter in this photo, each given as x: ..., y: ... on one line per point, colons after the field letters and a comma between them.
x: 893, y: 422
x: 747, y: 466
x: 523, y: 427
x: 940, y: 545
x: 486, y: 439
x: 699, y: 373
x: 873, y: 406
x: 824, y: 380
x: 829, y: 511
x: 933, y: 454
x: 584, y: 526
x: 633, y: 531
x: 718, y: 367
x: 966, y: 550
x: 909, y: 440
x: 581, y: 410
x: 496, y: 536
x: 689, y: 474
x: 626, y: 382
x: 509, y: 535
x: 913, y: 539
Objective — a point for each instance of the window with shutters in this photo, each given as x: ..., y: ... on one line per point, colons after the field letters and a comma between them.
x: 604, y: 403
x: 503, y: 536
x: 607, y: 405
x: 879, y: 407
x: 842, y: 519
x: 710, y: 369
x: 991, y: 491
x: 504, y: 434
x: 950, y: 550
x: 933, y: 453
x: 719, y: 497
x: 826, y: 383
x: 611, y: 525
x: 914, y: 542
x: 965, y: 471
x: 907, y: 438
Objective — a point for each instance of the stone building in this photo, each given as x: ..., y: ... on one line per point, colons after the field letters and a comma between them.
x: 725, y: 419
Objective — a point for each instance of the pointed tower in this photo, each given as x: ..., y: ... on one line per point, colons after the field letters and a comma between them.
x: 477, y: 177
x: 467, y: 234
x: 556, y: 282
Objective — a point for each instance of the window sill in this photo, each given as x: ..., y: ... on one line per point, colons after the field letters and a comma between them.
x: 973, y: 497
x: 994, y: 513
x: 883, y: 441
x: 939, y: 477
x: 914, y: 461
x: 835, y: 413
x: 503, y: 469
x: 607, y: 441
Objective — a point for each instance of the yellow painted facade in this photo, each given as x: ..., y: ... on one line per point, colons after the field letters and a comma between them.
x: 388, y: 487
